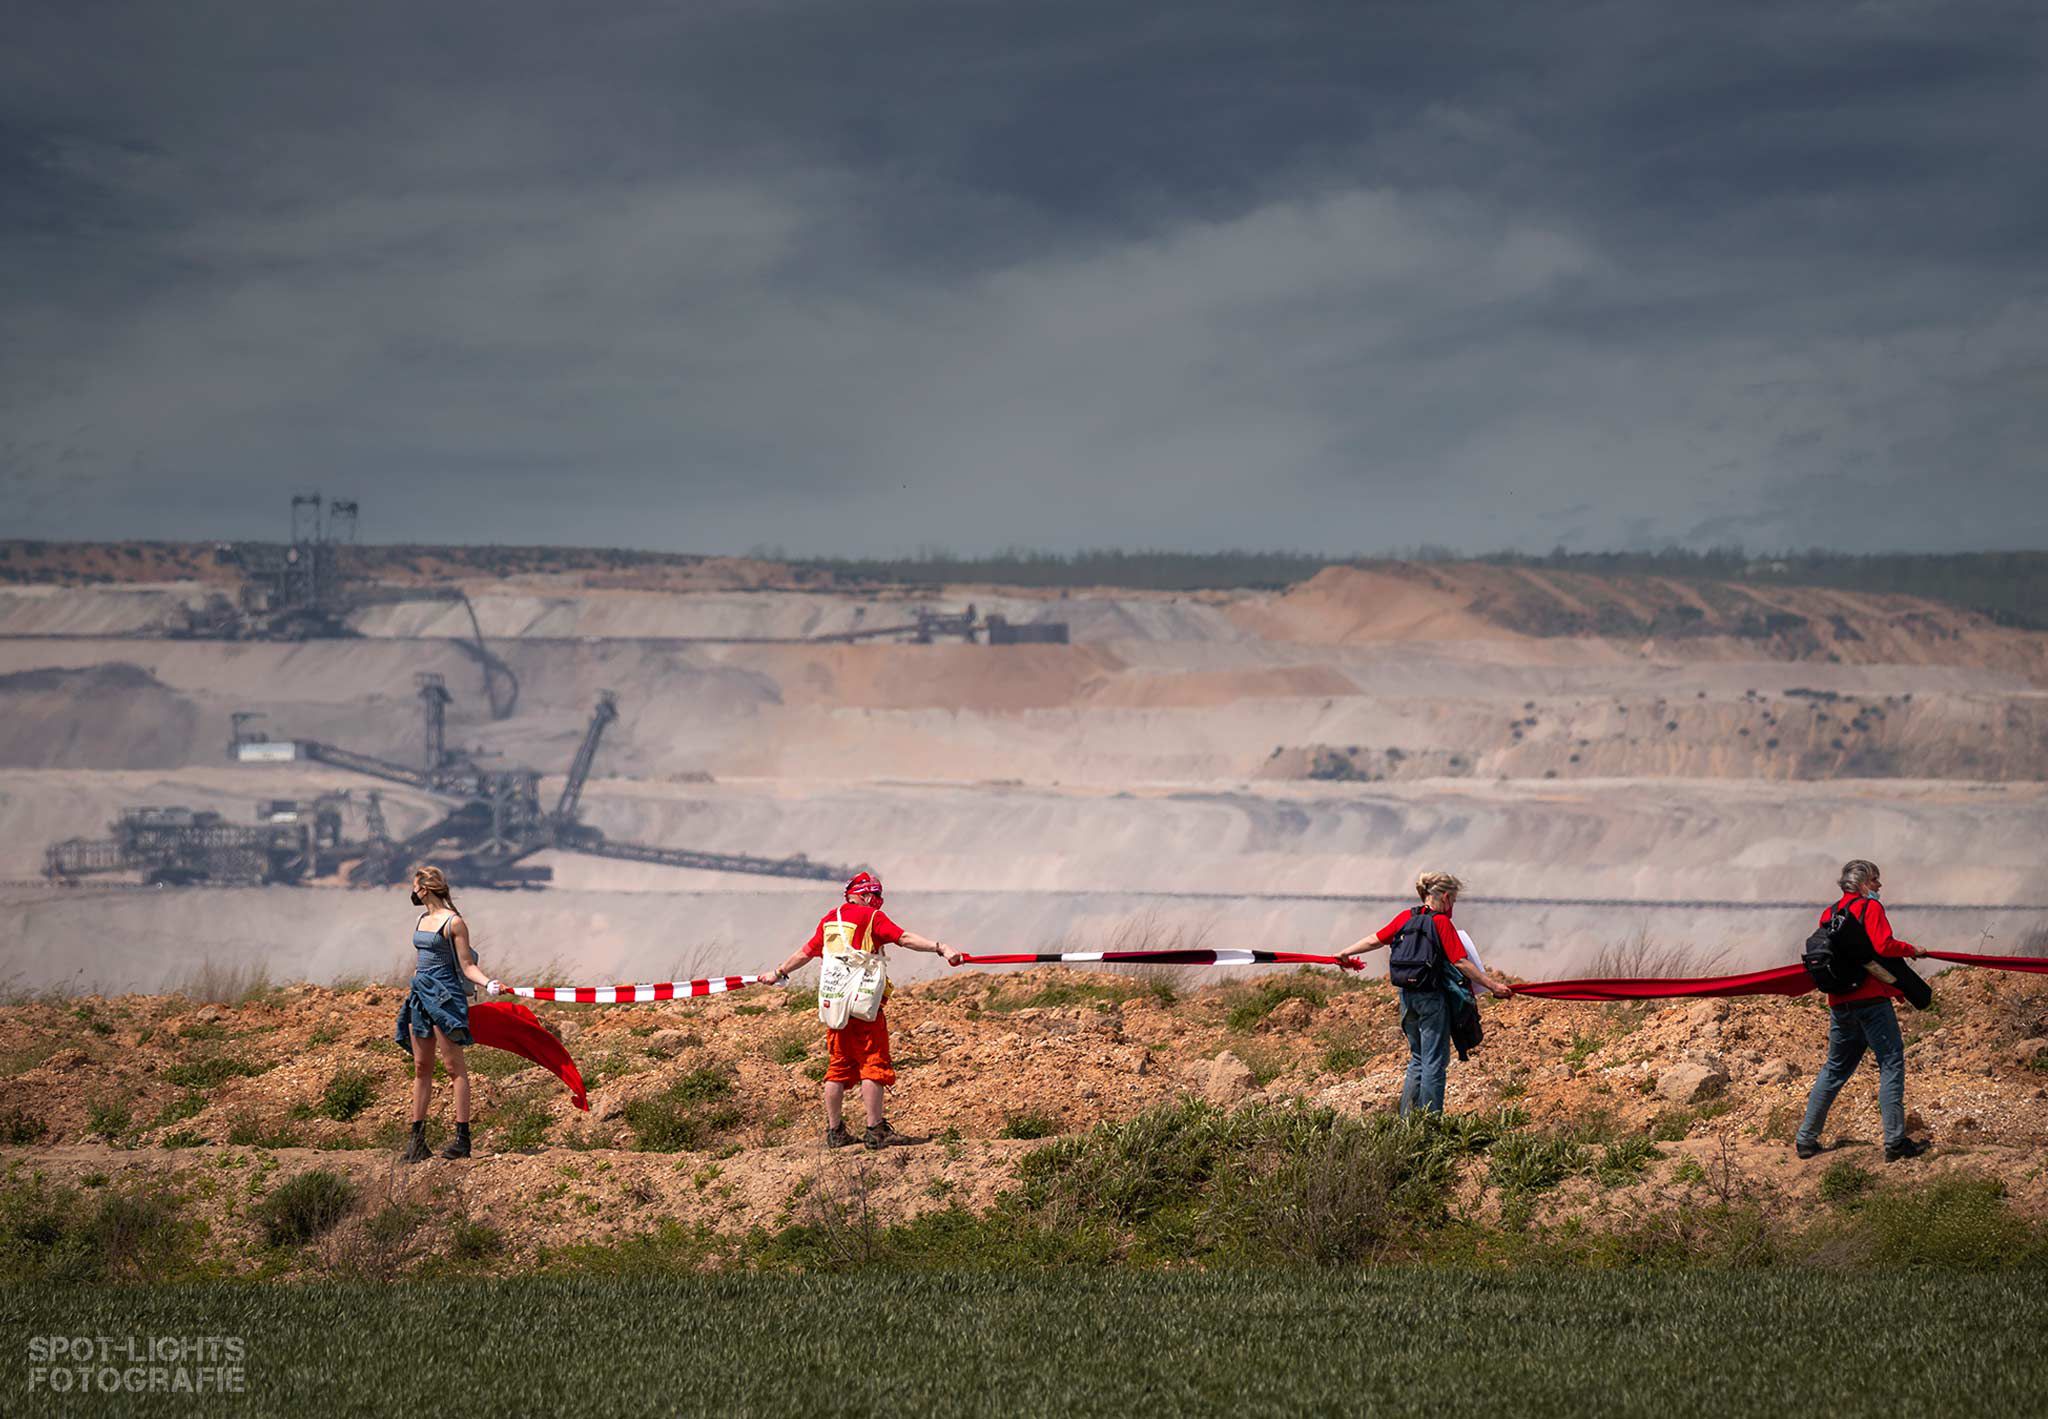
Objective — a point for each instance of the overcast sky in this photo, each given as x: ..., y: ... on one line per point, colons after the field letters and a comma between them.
x: 861, y: 277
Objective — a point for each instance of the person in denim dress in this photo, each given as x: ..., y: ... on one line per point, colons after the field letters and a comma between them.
x: 435, y: 1012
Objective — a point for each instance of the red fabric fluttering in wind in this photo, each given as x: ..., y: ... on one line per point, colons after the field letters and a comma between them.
x: 1779, y: 980
x: 514, y: 1029
x: 2032, y: 965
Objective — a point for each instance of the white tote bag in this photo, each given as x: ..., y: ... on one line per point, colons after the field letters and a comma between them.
x: 853, y: 977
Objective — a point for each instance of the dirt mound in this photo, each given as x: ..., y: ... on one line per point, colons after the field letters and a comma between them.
x: 1799, y: 733
x: 958, y: 678
x: 1428, y: 671
x: 1208, y: 689
x: 1352, y: 606
x: 1691, y: 620
x: 48, y: 611
x: 1121, y: 616
x: 143, y: 1084
x: 114, y: 715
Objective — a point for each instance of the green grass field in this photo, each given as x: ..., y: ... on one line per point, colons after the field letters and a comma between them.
x: 1378, y: 1341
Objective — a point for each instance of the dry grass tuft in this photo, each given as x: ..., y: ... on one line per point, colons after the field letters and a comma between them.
x: 1644, y: 955
x: 216, y: 984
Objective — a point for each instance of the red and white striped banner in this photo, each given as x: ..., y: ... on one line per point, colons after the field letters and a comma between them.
x: 629, y: 994
x: 719, y: 985
x: 1781, y: 980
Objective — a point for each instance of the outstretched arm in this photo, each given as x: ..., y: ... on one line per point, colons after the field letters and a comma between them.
x: 1481, y: 979
x: 775, y: 975
x: 1878, y: 927
x: 1359, y: 948
x: 925, y: 943
x: 1347, y: 958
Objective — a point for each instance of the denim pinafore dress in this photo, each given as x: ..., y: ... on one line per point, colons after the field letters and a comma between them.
x: 439, y: 998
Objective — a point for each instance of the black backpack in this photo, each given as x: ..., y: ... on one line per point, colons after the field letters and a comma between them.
x: 1415, y: 957
x: 1838, y: 954
x: 1467, y: 1034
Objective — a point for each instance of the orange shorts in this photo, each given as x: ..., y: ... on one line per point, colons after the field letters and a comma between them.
x: 860, y: 1051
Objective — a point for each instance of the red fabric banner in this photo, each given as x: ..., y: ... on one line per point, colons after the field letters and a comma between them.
x: 514, y: 1028
x: 1780, y: 980
x: 2032, y: 965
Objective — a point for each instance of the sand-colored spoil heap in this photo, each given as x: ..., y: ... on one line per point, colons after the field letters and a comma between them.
x: 705, y: 1113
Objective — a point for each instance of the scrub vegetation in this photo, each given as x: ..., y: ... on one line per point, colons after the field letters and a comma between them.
x: 686, y: 1114
x: 349, y: 1092
x: 307, y: 1205
x: 1248, y: 1004
x: 1101, y: 994
x: 1189, y: 1183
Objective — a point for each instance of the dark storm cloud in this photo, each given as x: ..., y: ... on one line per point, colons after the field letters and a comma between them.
x: 864, y: 277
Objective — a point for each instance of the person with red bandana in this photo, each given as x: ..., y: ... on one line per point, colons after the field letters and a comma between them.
x: 858, y: 1048
x: 1863, y: 1020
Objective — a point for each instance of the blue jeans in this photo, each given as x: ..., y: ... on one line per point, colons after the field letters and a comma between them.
x: 1427, y: 1024
x: 1851, y: 1030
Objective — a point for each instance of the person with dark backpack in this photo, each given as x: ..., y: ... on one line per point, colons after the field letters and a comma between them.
x: 1424, y: 953
x: 1847, y: 957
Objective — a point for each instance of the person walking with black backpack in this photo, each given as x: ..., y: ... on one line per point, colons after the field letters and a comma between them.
x: 1425, y: 950
x: 1860, y: 1017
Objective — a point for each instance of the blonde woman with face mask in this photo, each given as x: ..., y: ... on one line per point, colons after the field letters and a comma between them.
x: 435, y: 1013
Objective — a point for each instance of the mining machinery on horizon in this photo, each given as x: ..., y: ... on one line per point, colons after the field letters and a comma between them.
x: 494, y: 821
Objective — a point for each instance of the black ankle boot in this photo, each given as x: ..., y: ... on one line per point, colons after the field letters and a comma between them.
x: 417, y: 1151
x: 460, y: 1147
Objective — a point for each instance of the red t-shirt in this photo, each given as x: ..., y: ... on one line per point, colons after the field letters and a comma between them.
x: 880, y: 929
x: 1870, y: 912
x: 1446, y: 934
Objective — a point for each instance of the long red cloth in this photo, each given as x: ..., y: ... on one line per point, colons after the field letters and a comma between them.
x: 515, y: 1029
x: 1780, y: 980
x: 2033, y: 965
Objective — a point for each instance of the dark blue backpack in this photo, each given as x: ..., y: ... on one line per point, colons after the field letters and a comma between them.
x: 1415, y: 957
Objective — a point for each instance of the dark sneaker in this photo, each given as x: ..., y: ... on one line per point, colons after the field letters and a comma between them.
x: 1805, y: 1149
x: 837, y: 1136
x: 458, y: 1149
x: 1905, y: 1148
x: 884, y: 1135
x: 416, y: 1151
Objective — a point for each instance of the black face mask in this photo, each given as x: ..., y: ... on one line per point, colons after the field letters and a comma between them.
x: 416, y: 900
